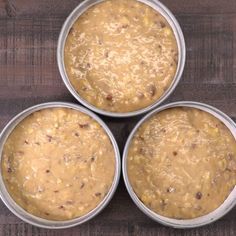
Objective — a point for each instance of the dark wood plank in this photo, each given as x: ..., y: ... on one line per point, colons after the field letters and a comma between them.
x: 59, y: 8
x: 29, y: 75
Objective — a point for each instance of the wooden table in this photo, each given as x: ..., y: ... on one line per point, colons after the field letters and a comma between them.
x: 28, y: 75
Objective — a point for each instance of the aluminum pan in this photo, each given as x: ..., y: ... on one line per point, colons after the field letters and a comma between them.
x: 228, y: 204
x: 37, y: 221
x: 156, y: 5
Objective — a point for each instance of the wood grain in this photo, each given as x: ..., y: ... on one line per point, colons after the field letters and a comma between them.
x: 28, y: 75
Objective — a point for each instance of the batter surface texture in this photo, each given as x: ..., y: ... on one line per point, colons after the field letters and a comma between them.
x: 182, y: 163
x: 58, y: 164
x: 121, y: 55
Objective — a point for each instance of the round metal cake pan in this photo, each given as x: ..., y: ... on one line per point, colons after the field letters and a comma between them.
x: 156, y: 5
x: 44, y: 223
x: 225, y: 207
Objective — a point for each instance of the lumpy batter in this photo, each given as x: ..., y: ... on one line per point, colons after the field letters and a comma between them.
x: 182, y: 163
x: 58, y: 164
x: 121, y: 55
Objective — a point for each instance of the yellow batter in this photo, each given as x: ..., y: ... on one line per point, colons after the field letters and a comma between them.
x: 58, y: 164
x: 121, y: 55
x: 182, y: 163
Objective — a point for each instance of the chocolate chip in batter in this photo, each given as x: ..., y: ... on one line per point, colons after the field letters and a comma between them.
x: 98, y: 194
x: 84, y: 88
x: 165, y: 88
x: 162, y: 24
x: 146, y: 152
x: 159, y: 46
x: 84, y: 125
x: 26, y: 142
x: 109, y: 97
x: 46, y: 213
x: 142, y: 63
x: 92, y: 159
x: 125, y: 26
x: 71, y: 30
x: 106, y: 54
x: 142, y: 151
x: 198, y: 195
x: 56, y: 191
x: 140, y: 138
x: 82, y: 185
x: 47, y: 171
x: 61, y: 207
x: 176, y: 58
x: 175, y: 153
x: 49, y: 137
x: 151, y: 89
x: 170, y: 190
x: 37, y: 143
x: 100, y: 42
x: 76, y: 134
x: 163, y: 130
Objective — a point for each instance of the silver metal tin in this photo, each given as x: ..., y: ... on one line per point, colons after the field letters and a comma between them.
x: 29, y: 218
x: 228, y: 204
x: 156, y: 5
